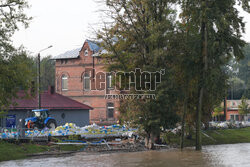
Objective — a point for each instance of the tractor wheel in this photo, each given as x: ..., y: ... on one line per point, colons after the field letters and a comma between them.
x: 51, y: 124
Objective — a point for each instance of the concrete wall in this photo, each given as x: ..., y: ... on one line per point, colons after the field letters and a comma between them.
x: 79, y: 117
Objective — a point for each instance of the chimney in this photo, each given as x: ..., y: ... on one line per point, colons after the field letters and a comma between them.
x: 51, y: 90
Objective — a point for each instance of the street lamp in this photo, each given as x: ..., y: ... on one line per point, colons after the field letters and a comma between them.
x: 39, y: 78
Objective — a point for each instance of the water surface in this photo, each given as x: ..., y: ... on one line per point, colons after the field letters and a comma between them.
x: 237, y: 155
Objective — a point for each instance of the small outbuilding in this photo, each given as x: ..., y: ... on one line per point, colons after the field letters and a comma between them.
x: 62, y: 108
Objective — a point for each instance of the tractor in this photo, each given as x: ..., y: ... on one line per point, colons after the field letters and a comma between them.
x: 40, y: 120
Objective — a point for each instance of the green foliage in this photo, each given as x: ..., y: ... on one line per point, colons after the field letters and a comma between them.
x: 244, y: 71
x: 218, y: 28
x: 226, y: 136
x: 140, y: 38
x: 14, y: 70
x: 12, y: 14
x: 244, y: 107
x: 218, y: 111
x: 47, y: 72
x: 15, y: 74
x: 195, y: 52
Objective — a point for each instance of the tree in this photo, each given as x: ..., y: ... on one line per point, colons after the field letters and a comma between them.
x: 14, y: 70
x: 237, y: 88
x: 219, y: 29
x: 139, y: 38
x: 47, y: 72
x: 218, y: 112
x: 244, y: 71
x: 244, y: 108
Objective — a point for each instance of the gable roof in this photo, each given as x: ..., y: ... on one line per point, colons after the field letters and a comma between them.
x: 93, y: 46
x: 49, y: 101
x: 72, y: 54
x: 234, y: 104
x: 75, y: 53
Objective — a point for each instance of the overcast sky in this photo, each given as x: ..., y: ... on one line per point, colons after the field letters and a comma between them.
x: 65, y: 25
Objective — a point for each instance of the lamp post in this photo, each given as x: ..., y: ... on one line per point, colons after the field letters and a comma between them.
x: 39, y: 78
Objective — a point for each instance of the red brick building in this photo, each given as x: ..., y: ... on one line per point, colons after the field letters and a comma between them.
x: 232, y: 111
x: 75, y: 78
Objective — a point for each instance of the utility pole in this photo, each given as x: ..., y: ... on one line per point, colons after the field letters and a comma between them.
x: 38, y: 81
x: 39, y: 77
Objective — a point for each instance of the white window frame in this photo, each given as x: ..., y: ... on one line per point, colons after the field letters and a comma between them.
x: 64, y: 77
x: 84, y: 81
x: 109, y: 81
x: 234, y: 117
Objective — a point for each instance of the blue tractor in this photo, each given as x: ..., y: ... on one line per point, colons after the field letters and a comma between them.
x: 40, y: 120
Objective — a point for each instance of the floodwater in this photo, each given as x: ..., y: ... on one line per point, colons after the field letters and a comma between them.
x: 218, y: 156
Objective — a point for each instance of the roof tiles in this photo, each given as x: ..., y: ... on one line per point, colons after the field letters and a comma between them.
x: 49, y: 101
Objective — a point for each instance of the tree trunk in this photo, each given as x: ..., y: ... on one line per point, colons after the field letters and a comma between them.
x: 225, y: 108
x: 202, y: 81
x: 198, y: 122
x: 183, y: 121
x: 149, y: 141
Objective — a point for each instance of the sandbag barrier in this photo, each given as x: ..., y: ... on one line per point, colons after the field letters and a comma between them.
x: 87, y: 132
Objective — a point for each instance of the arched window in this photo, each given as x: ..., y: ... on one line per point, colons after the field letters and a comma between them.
x: 86, y: 81
x: 86, y: 53
x: 109, y: 81
x: 64, y: 82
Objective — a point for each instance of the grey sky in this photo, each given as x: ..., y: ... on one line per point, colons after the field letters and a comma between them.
x: 66, y: 24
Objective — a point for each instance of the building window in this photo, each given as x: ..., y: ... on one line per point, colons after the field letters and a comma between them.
x: 110, y: 110
x: 237, y: 117
x: 109, y: 81
x: 234, y: 117
x: 64, y: 61
x: 86, y: 82
x: 86, y: 53
x: 64, y: 82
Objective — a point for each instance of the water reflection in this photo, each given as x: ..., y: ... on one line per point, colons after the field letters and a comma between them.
x: 219, y: 156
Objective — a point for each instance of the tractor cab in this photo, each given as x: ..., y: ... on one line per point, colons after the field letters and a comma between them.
x: 40, y: 119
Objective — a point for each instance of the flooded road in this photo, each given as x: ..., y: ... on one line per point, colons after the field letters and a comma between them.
x: 219, y: 156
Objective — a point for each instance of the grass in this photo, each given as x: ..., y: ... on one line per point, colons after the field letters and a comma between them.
x: 10, y: 151
x: 226, y: 136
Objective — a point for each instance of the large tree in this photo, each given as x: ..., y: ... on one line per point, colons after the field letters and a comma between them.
x: 244, y: 108
x: 140, y: 37
x: 244, y: 71
x: 14, y: 70
x: 219, y: 28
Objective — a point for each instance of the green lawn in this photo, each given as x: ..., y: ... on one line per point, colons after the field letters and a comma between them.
x: 227, y: 136
x: 9, y: 151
